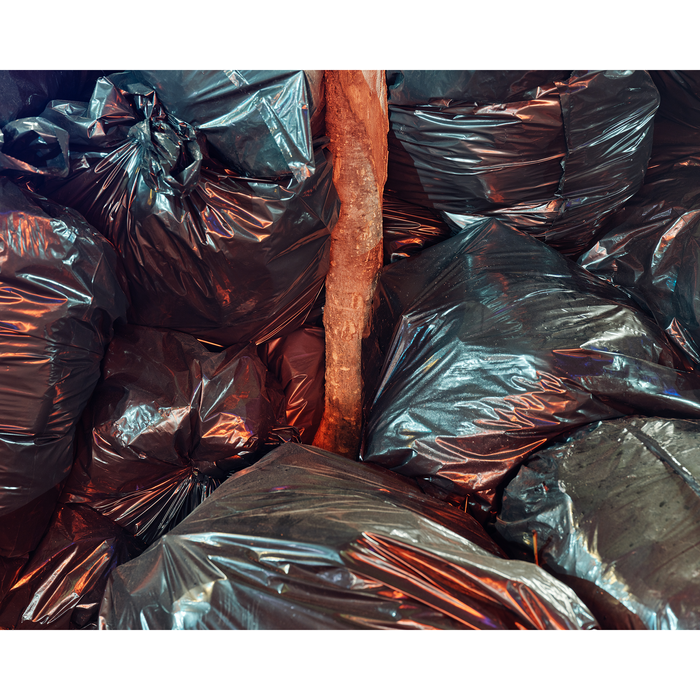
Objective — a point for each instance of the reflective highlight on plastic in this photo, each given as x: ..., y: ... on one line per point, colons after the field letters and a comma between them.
x: 618, y: 504
x: 492, y: 343
x: 305, y: 539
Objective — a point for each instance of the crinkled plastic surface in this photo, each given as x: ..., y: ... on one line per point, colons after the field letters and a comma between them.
x: 59, y: 297
x: 493, y: 343
x: 63, y: 583
x: 258, y: 123
x: 25, y: 93
x: 298, y: 361
x: 207, y: 252
x: 308, y: 539
x: 677, y: 123
x: 409, y: 228
x: 653, y: 254
x: 168, y: 423
x: 418, y: 87
x: 555, y: 164
x: 618, y: 504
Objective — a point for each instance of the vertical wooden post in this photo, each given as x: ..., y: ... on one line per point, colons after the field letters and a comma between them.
x: 357, y: 123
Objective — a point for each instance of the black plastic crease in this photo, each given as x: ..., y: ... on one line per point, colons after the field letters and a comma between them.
x: 60, y: 295
x: 653, y: 254
x: 305, y: 539
x: 168, y: 423
x: 555, y: 164
x: 618, y: 504
x: 492, y: 343
x: 207, y: 251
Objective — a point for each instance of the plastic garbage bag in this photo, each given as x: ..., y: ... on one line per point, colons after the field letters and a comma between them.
x: 420, y: 87
x: 298, y: 361
x: 618, y: 504
x: 59, y: 297
x: 409, y: 228
x: 169, y: 421
x: 492, y: 343
x: 653, y: 254
x: 258, y: 123
x: 207, y: 252
x: 677, y: 122
x: 307, y: 539
x: 555, y: 164
x: 63, y: 584
x: 25, y: 93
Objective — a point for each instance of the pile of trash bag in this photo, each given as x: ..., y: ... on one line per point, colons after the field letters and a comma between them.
x: 167, y: 424
x: 531, y: 362
x: 60, y: 295
x: 492, y: 343
x: 307, y: 539
x: 553, y: 158
x: 617, y: 504
x: 207, y: 251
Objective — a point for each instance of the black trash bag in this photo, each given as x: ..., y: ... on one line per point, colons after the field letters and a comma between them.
x: 169, y: 421
x: 63, y: 584
x: 409, y: 228
x: 618, y: 504
x: 298, y: 361
x: 420, y: 87
x: 677, y: 122
x: 25, y: 93
x: 307, y: 539
x: 492, y: 343
x: 41, y: 143
x: 258, y: 123
x: 554, y: 165
x: 209, y: 253
x: 59, y: 297
x: 653, y: 254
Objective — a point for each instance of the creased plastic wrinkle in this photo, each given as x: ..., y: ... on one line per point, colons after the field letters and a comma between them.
x: 653, y: 252
x: 59, y: 297
x: 554, y: 158
x: 257, y: 122
x: 305, y: 539
x: 25, y: 93
x: 618, y: 504
x: 298, y: 362
x: 485, y: 346
x: 677, y: 123
x: 207, y: 250
x: 409, y: 228
x: 169, y: 421
x: 62, y: 585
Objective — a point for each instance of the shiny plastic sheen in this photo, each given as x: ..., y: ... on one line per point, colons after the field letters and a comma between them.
x: 653, y: 254
x: 63, y: 583
x: 618, y: 504
x: 168, y: 423
x: 298, y: 362
x: 59, y: 297
x: 305, y: 539
x: 207, y: 252
x: 257, y: 123
x: 555, y: 164
x: 492, y: 343
x: 409, y: 228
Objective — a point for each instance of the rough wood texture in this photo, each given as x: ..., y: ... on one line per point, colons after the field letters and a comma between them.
x: 357, y: 124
